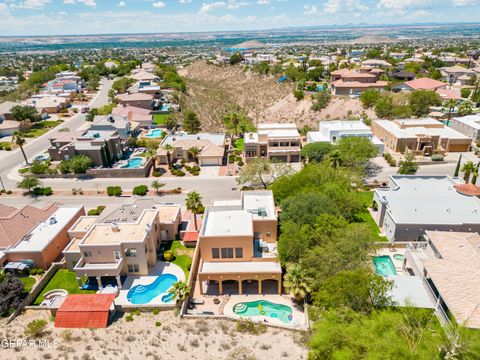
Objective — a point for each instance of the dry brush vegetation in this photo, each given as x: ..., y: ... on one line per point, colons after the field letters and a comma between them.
x: 215, y: 90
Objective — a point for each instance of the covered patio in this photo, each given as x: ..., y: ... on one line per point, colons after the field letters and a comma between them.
x: 218, y: 278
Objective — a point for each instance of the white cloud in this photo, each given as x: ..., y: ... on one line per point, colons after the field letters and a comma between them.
x: 89, y: 3
x: 185, y: 1
x: 122, y: 4
x: 158, y: 4
x: 459, y: 3
x: 334, y: 6
x: 310, y: 10
x: 263, y: 2
x: 31, y: 4
x: 230, y: 4
x: 403, y: 4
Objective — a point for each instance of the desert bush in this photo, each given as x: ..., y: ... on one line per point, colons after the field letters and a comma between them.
x: 158, y: 323
x: 438, y: 157
x: 36, y: 328
x: 248, y: 326
x: 129, y: 318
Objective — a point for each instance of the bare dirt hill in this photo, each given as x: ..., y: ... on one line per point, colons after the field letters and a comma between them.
x: 215, y: 90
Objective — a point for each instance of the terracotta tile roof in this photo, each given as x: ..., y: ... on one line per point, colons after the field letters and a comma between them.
x: 19, y: 223
x: 425, y: 84
x: 6, y: 210
x: 357, y: 84
x: 447, y: 94
x: 84, y: 311
x: 190, y: 236
x: 456, y: 274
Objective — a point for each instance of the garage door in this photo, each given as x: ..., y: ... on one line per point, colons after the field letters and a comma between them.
x: 279, y: 158
x: 211, y: 161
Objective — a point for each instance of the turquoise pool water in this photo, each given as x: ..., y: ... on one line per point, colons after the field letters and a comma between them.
x: 155, y: 133
x: 166, y: 107
x: 133, y: 163
x: 384, y: 265
x: 264, y: 308
x: 143, y: 294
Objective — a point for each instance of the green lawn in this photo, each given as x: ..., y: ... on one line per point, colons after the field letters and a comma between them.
x: 160, y: 119
x: 239, y: 144
x: 28, y: 282
x: 365, y: 217
x: 183, y: 255
x: 40, y: 128
x: 63, y: 279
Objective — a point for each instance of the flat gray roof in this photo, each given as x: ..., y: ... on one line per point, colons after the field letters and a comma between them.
x: 409, y: 291
x: 470, y: 120
x: 429, y: 200
x: 260, y: 204
x: 228, y: 223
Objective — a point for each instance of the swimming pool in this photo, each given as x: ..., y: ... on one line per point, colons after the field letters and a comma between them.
x: 133, y: 163
x: 166, y: 107
x: 155, y: 133
x: 264, y: 308
x: 143, y: 294
x: 384, y: 265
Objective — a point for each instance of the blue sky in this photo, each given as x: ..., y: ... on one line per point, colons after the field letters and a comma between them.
x: 54, y: 17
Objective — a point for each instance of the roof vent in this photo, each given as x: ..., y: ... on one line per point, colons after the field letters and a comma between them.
x: 111, y: 119
x: 114, y: 227
x: 148, y: 228
x: 52, y: 220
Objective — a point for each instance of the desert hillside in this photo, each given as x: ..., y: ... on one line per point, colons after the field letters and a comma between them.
x: 215, y: 90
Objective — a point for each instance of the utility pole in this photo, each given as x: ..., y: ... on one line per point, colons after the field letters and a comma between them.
x: 3, y: 186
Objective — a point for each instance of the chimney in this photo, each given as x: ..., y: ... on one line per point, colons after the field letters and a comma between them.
x: 114, y: 227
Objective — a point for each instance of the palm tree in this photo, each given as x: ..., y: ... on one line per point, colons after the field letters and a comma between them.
x: 235, y: 121
x: 168, y: 148
x: 157, y: 185
x: 194, y: 204
x: 465, y: 108
x: 180, y: 291
x: 467, y: 169
x: 194, y: 151
x: 152, y: 154
x: 19, y: 140
x: 450, y: 104
x: 475, y: 175
x: 335, y: 159
x: 296, y: 282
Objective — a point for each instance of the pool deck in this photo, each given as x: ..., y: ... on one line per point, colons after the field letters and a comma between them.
x: 299, y: 319
x: 160, y: 268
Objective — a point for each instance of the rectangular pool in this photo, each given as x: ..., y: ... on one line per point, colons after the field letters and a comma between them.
x: 384, y: 265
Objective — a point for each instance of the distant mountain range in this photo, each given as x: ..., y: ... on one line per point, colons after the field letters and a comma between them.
x: 312, y: 34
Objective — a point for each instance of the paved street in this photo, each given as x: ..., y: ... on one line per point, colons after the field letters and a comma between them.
x: 12, y: 159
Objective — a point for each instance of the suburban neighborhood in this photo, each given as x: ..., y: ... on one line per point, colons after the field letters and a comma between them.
x: 242, y: 200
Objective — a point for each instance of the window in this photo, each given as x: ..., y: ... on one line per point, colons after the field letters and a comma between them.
x: 133, y: 268
x: 116, y: 255
x: 268, y: 234
x: 131, y: 253
x: 227, y: 253
x: 87, y: 253
x: 239, y: 253
x: 215, y: 253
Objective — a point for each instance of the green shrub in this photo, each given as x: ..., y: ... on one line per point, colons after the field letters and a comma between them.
x: 168, y: 255
x: 158, y: 323
x: 155, y: 311
x: 157, y: 174
x: 100, y: 208
x: 129, y: 318
x: 240, y: 163
x: 39, y: 191
x: 33, y: 271
x: 9, y: 192
x: 36, y: 328
x: 40, y: 271
x: 438, y: 157
x: 231, y: 158
x: 140, y: 190
x: 93, y: 212
x: 7, y: 148
x: 38, y: 167
x: 465, y: 92
x: 114, y: 191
